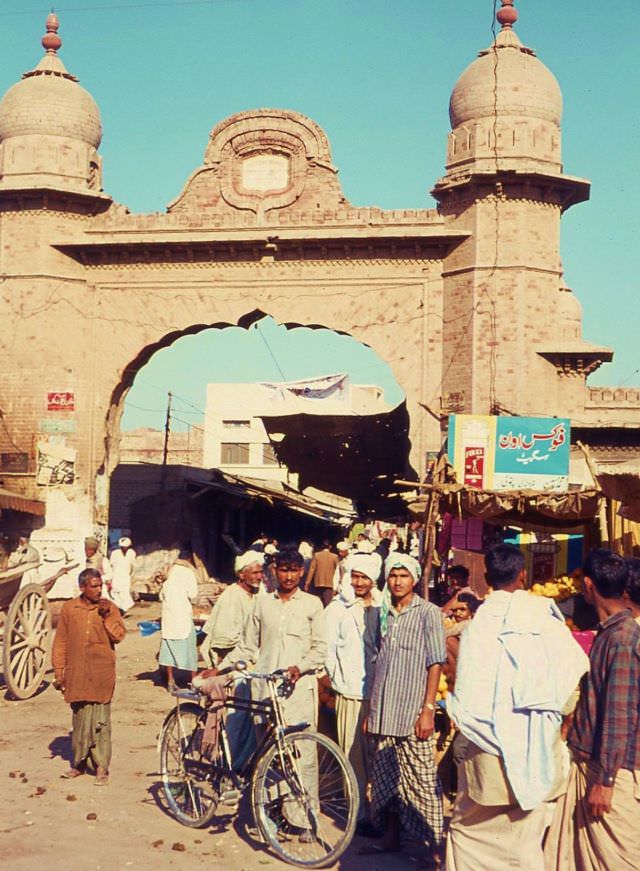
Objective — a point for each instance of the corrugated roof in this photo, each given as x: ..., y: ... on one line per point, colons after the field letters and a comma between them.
x: 11, y: 501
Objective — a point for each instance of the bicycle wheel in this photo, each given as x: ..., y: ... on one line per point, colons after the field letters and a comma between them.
x: 305, y: 799
x: 190, y: 795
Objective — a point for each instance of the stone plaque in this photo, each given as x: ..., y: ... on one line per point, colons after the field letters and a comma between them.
x: 265, y: 172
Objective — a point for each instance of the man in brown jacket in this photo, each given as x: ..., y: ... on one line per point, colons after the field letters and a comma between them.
x: 84, y: 661
x: 321, y: 572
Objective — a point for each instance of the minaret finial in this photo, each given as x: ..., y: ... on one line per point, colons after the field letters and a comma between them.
x: 507, y: 15
x: 51, y: 42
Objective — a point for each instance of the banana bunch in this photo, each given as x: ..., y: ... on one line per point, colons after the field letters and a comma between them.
x: 443, y: 689
x: 560, y: 588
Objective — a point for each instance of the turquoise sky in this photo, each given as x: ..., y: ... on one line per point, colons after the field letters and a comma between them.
x: 267, y: 351
x: 376, y: 76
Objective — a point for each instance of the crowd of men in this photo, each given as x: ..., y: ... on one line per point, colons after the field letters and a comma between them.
x: 547, y: 745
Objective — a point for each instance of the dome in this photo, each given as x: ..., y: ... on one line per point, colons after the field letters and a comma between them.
x: 506, y: 79
x: 50, y: 101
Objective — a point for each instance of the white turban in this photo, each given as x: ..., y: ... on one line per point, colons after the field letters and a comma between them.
x: 367, y: 563
x: 248, y: 558
x: 343, y: 545
x: 125, y: 541
x: 397, y: 560
x: 364, y: 547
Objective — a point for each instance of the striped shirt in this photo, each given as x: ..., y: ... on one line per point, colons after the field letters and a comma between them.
x: 414, y: 641
x: 606, y: 727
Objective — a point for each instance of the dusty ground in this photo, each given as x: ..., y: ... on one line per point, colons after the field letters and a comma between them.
x: 72, y: 825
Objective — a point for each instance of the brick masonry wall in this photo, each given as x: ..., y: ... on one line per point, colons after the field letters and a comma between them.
x: 89, y: 298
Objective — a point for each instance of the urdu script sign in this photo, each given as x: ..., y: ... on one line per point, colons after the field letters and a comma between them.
x: 510, y: 453
x: 61, y: 400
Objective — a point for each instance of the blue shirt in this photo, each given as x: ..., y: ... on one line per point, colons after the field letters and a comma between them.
x: 413, y: 643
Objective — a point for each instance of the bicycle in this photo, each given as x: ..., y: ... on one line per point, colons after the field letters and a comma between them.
x: 304, y: 794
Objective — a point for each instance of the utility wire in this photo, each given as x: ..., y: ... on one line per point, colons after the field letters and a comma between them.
x: 117, y: 7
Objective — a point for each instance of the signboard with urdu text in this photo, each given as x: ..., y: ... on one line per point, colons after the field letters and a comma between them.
x: 510, y: 453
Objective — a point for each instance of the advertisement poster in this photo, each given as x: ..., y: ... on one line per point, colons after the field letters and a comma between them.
x: 510, y: 453
x: 61, y: 400
x: 56, y: 464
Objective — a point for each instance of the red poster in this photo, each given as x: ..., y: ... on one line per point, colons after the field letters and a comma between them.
x: 474, y: 467
x: 61, y: 400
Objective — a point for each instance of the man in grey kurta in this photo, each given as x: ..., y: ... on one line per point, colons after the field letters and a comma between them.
x: 287, y: 630
x: 225, y: 626
x: 224, y: 630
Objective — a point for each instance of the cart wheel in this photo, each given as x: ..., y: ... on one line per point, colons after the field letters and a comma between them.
x: 27, y: 640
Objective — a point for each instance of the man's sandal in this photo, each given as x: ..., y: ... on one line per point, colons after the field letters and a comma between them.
x: 71, y: 773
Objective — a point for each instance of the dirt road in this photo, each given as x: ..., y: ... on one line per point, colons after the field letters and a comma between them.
x: 52, y: 823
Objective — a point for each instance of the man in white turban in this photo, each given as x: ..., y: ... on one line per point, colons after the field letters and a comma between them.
x: 344, y: 551
x: 223, y: 633
x: 224, y: 628
x: 406, y: 797
x: 122, y: 563
x: 352, y: 635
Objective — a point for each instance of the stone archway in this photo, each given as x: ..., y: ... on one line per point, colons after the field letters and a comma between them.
x: 261, y: 226
x: 385, y: 420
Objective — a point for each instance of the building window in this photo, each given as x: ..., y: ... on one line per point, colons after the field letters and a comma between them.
x: 232, y: 453
x: 269, y: 456
x: 236, y: 424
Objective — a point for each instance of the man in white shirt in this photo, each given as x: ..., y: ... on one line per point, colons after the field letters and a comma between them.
x: 344, y: 549
x: 122, y: 562
x: 518, y: 667
x: 353, y: 637
x: 178, y: 646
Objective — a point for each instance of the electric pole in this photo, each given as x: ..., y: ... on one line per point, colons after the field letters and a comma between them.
x: 167, y: 430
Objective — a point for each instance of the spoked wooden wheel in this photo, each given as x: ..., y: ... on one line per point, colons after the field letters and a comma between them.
x: 27, y: 640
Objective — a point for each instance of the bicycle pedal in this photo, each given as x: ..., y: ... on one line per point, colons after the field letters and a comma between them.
x: 230, y: 797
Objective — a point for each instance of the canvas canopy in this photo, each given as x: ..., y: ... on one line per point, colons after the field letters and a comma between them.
x: 530, y: 509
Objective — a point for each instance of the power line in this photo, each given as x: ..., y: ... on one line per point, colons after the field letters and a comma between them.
x: 118, y: 7
x: 624, y: 381
x: 271, y: 353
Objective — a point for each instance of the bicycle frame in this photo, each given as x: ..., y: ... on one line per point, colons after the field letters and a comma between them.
x: 302, y: 790
x: 269, y: 710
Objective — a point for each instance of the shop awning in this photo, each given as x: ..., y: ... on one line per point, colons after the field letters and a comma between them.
x: 622, y: 483
x: 323, y: 505
x: 10, y: 501
x: 530, y: 509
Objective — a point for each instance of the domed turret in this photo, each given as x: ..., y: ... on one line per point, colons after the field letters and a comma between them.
x: 49, y: 127
x: 506, y: 107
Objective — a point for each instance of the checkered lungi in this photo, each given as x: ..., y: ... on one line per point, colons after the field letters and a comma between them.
x: 404, y: 781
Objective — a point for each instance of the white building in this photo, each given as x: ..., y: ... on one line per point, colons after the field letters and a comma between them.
x: 235, y: 439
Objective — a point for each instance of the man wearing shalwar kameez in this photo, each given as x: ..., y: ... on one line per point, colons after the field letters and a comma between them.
x: 84, y: 661
x: 406, y: 796
x: 518, y: 668
x: 287, y: 630
x: 223, y: 633
x: 178, y: 648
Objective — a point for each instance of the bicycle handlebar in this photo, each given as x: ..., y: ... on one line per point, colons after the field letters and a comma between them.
x: 278, y: 674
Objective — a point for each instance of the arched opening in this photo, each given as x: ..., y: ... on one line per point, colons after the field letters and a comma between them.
x: 297, y: 429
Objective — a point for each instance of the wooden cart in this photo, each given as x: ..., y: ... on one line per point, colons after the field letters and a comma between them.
x: 25, y: 630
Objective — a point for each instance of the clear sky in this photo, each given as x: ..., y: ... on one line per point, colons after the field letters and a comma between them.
x: 376, y: 76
